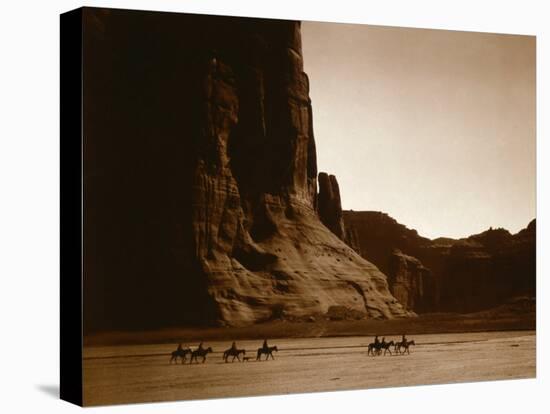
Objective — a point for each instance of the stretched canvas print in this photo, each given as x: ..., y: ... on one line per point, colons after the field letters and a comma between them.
x: 257, y: 206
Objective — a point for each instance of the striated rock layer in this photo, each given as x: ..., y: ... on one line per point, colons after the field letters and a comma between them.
x: 202, y: 190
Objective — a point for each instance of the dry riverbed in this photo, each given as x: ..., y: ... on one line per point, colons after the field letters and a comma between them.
x: 142, y: 373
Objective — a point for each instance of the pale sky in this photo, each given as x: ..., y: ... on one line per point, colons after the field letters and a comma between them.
x: 435, y: 128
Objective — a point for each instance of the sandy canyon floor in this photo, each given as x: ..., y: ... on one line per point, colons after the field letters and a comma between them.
x: 142, y: 373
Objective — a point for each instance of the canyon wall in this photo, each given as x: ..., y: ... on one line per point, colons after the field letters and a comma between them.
x: 201, y: 202
x: 465, y: 275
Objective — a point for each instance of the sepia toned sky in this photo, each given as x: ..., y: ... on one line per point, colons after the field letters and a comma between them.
x: 435, y: 128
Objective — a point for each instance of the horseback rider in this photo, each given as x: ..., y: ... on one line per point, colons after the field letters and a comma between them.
x: 200, y: 346
x: 233, y: 346
x: 403, y: 339
x: 264, y: 346
x: 376, y: 341
x: 180, y: 348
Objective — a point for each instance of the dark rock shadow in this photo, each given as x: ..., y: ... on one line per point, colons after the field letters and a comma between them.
x: 50, y: 389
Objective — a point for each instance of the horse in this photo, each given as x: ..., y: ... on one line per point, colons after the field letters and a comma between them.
x: 406, y: 345
x: 180, y: 353
x: 396, y: 347
x: 386, y: 347
x: 200, y: 352
x: 375, y: 348
x: 267, y: 351
x: 234, y: 353
x: 372, y: 348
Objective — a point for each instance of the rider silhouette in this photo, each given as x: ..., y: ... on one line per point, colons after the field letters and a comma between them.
x: 264, y: 346
x: 180, y: 347
x: 234, y: 346
x: 376, y: 340
x: 403, y: 339
x: 200, y: 346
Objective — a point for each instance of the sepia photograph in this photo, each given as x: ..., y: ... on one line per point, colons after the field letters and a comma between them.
x: 282, y: 206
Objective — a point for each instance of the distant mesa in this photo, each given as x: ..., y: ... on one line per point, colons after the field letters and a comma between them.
x: 447, y: 275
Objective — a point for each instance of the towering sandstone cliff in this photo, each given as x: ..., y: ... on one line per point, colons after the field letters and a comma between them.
x: 201, y: 179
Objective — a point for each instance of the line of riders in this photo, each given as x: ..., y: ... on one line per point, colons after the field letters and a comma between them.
x: 400, y: 347
x: 201, y: 352
x: 374, y: 348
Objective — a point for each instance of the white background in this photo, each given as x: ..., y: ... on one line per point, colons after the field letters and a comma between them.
x: 29, y: 206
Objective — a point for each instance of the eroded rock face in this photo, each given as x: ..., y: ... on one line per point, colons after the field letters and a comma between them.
x: 410, y: 282
x: 203, y: 196
x: 329, y: 205
x: 258, y: 238
x: 471, y: 274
